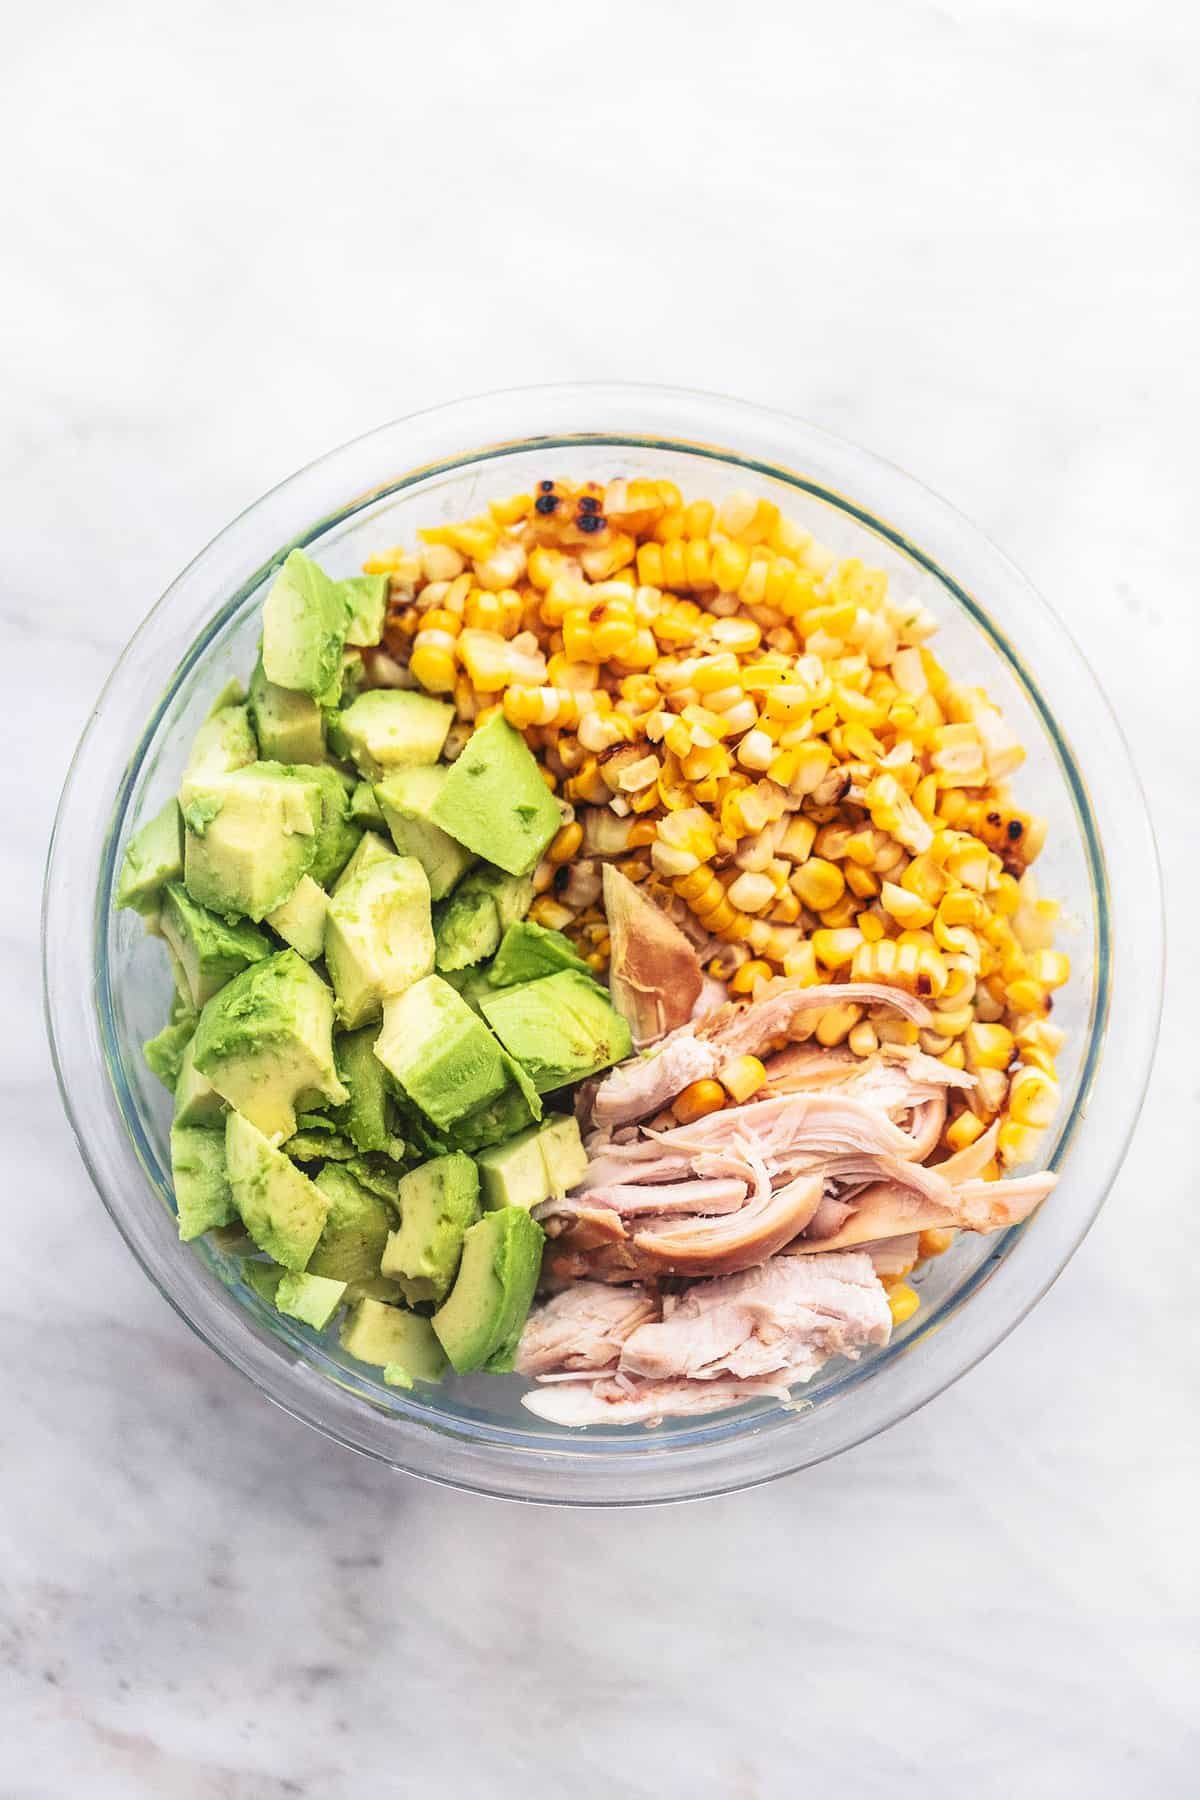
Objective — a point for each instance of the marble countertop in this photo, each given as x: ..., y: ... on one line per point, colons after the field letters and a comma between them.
x: 961, y: 232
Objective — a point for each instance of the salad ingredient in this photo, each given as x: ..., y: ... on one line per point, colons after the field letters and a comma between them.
x: 288, y: 725
x: 203, y: 1196
x: 560, y: 1028
x: 392, y: 728
x: 223, y: 743
x: 494, y: 799
x: 528, y: 1169
x: 304, y: 630
x: 402, y: 1343
x: 283, y: 1210
x: 265, y: 1042
x: 440, y: 1052
x: 405, y: 800
x: 365, y: 1116
x: 313, y: 1299
x: 210, y: 949
x: 355, y: 1231
x: 527, y: 951
x: 654, y: 973
x: 438, y: 1202
x: 154, y: 857
x: 300, y: 921
x: 378, y: 937
x: 197, y: 1101
x: 249, y: 837
x: 470, y: 924
x: 480, y: 1324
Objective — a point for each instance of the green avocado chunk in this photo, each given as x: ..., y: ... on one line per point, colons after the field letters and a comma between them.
x: 356, y: 1229
x: 154, y: 857
x: 405, y: 799
x: 289, y: 726
x: 250, y: 836
x: 480, y: 1324
x: 263, y: 1278
x: 364, y: 1117
x: 468, y: 927
x: 313, y: 1299
x: 371, y: 849
x: 210, y: 950
x: 501, y: 1118
x: 265, y: 1042
x: 441, y: 1053
x: 393, y: 1339
x: 394, y: 728
x: 378, y: 1173
x: 337, y: 834
x: 224, y: 742
x: 283, y: 1210
x: 300, y: 921
x: 561, y: 1027
x: 203, y: 1196
x: 528, y: 951
x: 365, y: 809
x: 437, y: 1203
x: 164, y: 1052
x: 378, y: 937
x: 197, y: 1101
x: 533, y: 1166
x: 304, y: 630
x: 495, y: 800
x: 366, y: 598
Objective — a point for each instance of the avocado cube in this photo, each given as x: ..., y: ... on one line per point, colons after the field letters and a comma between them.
x: 561, y: 1027
x: 337, y: 834
x: 203, y: 1196
x: 232, y: 694
x: 375, y: 1287
x: 289, y: 726
x: 313, y: 1299
x: 391, y: 1338
x: 528, y: 951
x: 197, y: 1101
x: 164, y: 1052
x: 437, y: 1203
x: 365, y: 1115
x: 304, y: 630
x: 405, y: 799
x: 378, y: 937
x: 532, y: 1166
x: 371, y: 849
x: 365, y: 809
x: 393, y: 728
x: 480, y: 1324
x: 365, y: 597
x: 563, y: 1153
x: 495, y: 800
x: 154, y: 857
x: 283, y: 1210
x: 378, y: 1173
x: 440, y: 1052
x: 210, y: 950
x: 262, y: 1278
x: 250, y: 836
x: 300, y: 921
x: 469, y: 926
x: 265, y: 1042
x: 356, y: 1229
x: 224, y: 742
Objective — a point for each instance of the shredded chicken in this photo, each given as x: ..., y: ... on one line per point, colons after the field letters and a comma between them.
x: 654, y: 973
x: 584, y: 1327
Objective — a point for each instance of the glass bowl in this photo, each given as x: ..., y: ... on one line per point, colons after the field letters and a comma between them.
x: 107, y: 984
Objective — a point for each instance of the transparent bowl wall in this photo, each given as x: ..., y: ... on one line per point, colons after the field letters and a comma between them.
x: 108, y: 986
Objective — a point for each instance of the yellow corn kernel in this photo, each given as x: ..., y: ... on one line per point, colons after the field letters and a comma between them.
x: 863, y: 1040
x: 751, y: 893
x: 743, y: 980
x: 1033, y: 1097
x: 869, y: 923
x: 697, y: 1101
x: 565, y: 844
x: 742, y: 1077
x: 906, y: 907
x: 835, y: 949
x: 903, y: 1302
x: 434, y: 665
x: 1051, y: 967
x: 730, y: 563
x: 988, y: 1046
x: 800, y: 964
x: 841, y: 914
x: 964, y: 1131
x: 1024, y: 995
x: 1016, y: 1143
x: 935, y: 1240
x: 835, y: 1024
x: 512, y: 510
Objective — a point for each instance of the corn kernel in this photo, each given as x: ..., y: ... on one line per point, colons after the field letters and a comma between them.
x: 935, y: 1240
x: 988, y: 1046
x: 697, y: 1101
x: 903, y: 1302
x: 743, y: 1077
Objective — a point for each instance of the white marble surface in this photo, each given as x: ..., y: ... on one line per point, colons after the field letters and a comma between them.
x: 961, y: 231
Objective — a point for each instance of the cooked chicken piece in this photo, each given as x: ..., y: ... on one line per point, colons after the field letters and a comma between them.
x: 584, y: 1327
x: 894, y: 1256
x: 720, y: 1246
x: 654, y: 973
x: 612, y: 1401
x: 628, y: 1198
x: 642, y: 1087
x: 894, y: 1208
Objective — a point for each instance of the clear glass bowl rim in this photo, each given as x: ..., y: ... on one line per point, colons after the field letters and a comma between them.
x: 1111, y: 810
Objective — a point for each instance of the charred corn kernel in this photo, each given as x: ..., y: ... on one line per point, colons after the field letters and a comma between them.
x: 565, y: 844
x: 903, y: 1302
x: 836, y: 949
x: 1032, y: 1097
x: 742, y: 1077
x: 835, y: 1024
x: 1016, y: 1143
x: 908, y: 909
x: 1052, y: 968
x: 863, y: 1040
x: 743, y: 981
x: 963, y: 1131
x: 935, y: 1240
x: 697, y: 1101
x: 988, y: 1046
x: 819, y: 884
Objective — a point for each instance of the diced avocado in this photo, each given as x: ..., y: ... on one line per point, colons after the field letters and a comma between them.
x: 469, y: 926
x: 232, y: 694
x: 394, y: 728
x: 154, y: 857
x: 283, y: 1210
x: 389, y: 1337
x: 337, y: 834
x: 528, y: 951
x: 164, y: 1052
x: 495, y: 800
x: 561, y: 1027
x: 416, y: 1290
x: 437, y: 1203
x: 266, y: 1043
x: 353, y: 672
x: 405, y: 798
x: 304, y: 629
x: 318, y: 1146
x: 375, y: 1287
x: 531, y: 1167
x: 288, y: 725
x: 471, y: 983
x: 365, y: 1115
x: 371, y: 849
x: 491, y: 1124
x: 481, y: 1322
x: 203, y: 1196
x: 197, y: 1101
x: 356, y: 1229
x: 224, y: 742
x: 250, y: 836
x: 378, y: 937
x: 366, y: 607
x: 378, y: 1173
x: 440, y: 1052
x: 210, y: 950
x: 313, y: 1299
x: 300, y: 921
x: 263, y: 1278
x: 365, y: 809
